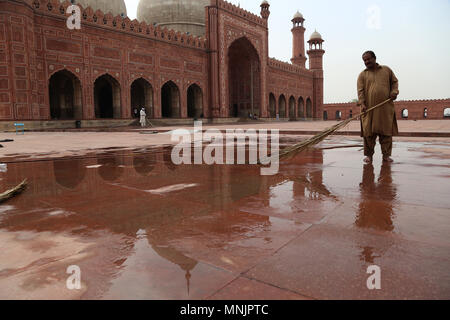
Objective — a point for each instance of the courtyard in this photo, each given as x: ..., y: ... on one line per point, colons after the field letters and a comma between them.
x: 140, y: 227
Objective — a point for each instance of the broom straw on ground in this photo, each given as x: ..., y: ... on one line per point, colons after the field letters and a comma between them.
x: 301, y: 146
x: 13, y: 192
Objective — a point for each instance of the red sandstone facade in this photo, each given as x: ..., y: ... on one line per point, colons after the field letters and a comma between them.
x: 114, y: 65
x: 416, y: 110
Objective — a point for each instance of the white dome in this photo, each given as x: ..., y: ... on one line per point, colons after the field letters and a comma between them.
x: 315, y: 35
x: 116, y: 7
x: 298, y: 15
x: 180, y: 15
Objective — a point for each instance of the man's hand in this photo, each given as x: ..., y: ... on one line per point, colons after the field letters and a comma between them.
x: 393, y: 96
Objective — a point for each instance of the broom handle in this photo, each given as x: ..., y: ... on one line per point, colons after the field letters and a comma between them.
x: 370, y: 109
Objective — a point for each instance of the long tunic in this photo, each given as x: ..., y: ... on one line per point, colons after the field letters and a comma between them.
x: 142, y: 119
x: 375, y: 87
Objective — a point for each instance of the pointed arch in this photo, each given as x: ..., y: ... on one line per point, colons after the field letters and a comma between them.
x: 107, y: 95
x: 141, y: 93
x: 244, y: 75
x: 65, y: 96
x: 170, y: 100
x: 194, y: 101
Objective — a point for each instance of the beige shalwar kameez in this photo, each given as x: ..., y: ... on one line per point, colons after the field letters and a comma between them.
x: 374, y: 87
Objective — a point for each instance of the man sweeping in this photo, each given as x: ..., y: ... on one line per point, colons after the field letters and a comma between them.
x: 376, y: 84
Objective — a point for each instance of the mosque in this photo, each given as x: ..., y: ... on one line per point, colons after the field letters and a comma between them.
x: 181, y: 59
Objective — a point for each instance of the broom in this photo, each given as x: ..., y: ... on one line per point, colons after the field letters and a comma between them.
x: 13, y: 192
x: 301, y: 146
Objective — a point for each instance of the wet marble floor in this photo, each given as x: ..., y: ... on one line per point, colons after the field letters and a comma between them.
x: 140, y: 227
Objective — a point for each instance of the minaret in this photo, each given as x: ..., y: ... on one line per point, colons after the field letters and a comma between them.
x: 315, y: 51
x: 298, y: 40
x: 265, y: 9
x: 315, y: 54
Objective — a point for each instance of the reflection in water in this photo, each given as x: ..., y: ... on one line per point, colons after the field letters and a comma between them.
x: 377, y: 199
x: 376, y: 208
x: 110, y: 170
x: 185, y: 263
x: 69, y: 173
x: 144, y: 163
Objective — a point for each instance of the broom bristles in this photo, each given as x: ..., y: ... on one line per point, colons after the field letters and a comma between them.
x: 13, y: 192
x: 301, y: 146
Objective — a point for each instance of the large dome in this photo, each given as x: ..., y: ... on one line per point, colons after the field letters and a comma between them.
x: 116, y: 7
x: 180, y: 15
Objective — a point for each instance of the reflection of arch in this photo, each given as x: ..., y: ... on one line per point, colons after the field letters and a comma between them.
x: 194, y: 101
x: 282, y: 106
x: 292, y: 108
x: 167, y: 151
x: 69, y: 173
x: 325, y: 115
x: 405, y: 113
x: 142, y: 96
x: 110, y: 170
x: 65, y: 96
x: 244, y: 83
x: 170, y: 100
x: 107, y: 97
x: 301, y: 107
x: 272, y: 106
x: 309, y: 108
x: 145, y: 162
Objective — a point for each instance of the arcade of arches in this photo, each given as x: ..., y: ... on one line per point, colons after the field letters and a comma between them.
x: 66, y: 98
x: 294, y: 109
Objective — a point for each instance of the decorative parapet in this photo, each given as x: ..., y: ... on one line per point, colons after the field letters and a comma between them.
x: 397, y: 101
x: 123, y: 24
x: 289, y: 67
x: 222, y: 4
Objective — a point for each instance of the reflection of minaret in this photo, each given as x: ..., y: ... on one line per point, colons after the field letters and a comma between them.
x: 185, y: 263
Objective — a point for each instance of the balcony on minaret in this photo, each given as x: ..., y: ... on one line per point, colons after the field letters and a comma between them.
x: 315, y: 51
x: 265, y: 13
x: 298, y: 40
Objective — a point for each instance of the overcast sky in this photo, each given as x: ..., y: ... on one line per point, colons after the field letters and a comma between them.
x: 410, y: 36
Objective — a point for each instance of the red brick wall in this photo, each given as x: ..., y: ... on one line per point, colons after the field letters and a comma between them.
x: 35, y: 43
x: 415, y: 109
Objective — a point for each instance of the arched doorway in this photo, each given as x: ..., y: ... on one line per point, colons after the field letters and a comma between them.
x: 272, y: 106
x: 244, y: 79
x: 292, y: 108
x: 170, y: 100
x: 338, y: 115
x: 141, y: 96
x: 447, y: 113
x: 107, y: 97
x: 301, y: 108
x: 194, y: 101
x: 405, y: 114
x: 325, y: 115
x: 65, y: 96
x: 309, y: 114
x: 282, y: 106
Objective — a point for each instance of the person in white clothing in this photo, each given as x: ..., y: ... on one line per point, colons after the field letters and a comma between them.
x: 143, y: 119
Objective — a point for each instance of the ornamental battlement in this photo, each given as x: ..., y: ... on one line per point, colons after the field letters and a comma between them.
x: 119, y: 23
x: 222, y: 4
x: 289, y: 67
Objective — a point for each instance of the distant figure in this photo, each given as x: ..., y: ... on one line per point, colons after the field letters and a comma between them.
x: 143, y: 119
x: 375, y: 85
x: 135, y: 111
